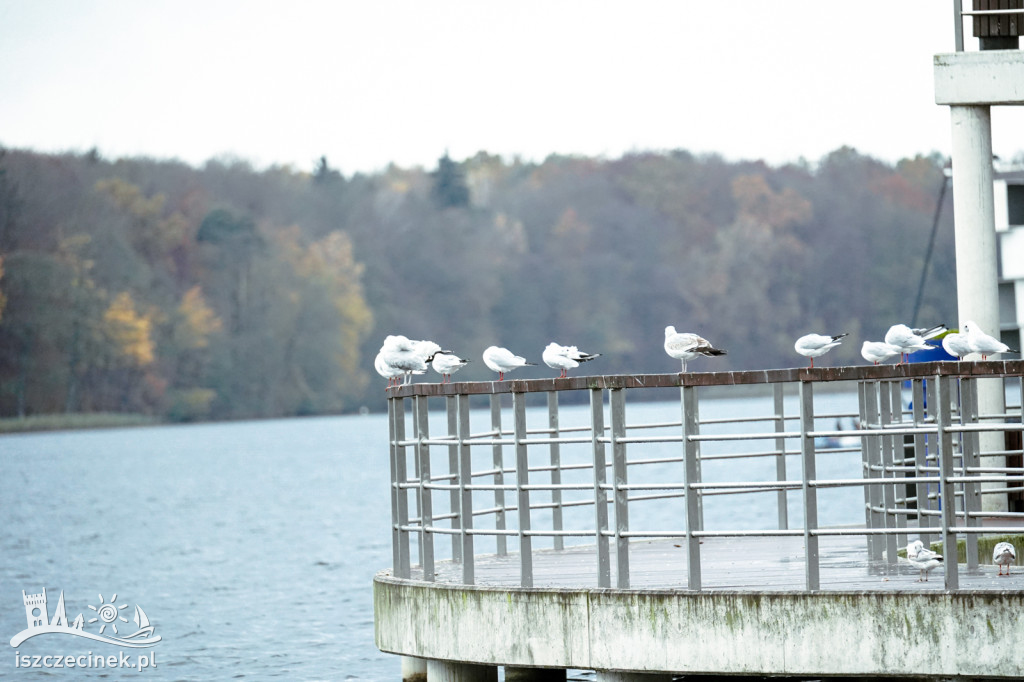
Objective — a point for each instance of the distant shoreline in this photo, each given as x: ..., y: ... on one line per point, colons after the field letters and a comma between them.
x: 75, y: 421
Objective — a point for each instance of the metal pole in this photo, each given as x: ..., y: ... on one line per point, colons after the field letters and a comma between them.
x: 920, y: 462
x: 522, y: 493
x: 889, y: 489
x: 969, y: 452
x: 604, y: 569
x: 451, y: 406
x: 810, y: 497
x: 780, y: 447
x: 396, y: 540
x: 898, y: 455
x: 874, y: 458
x: 556, y: 469
x: 947, y: 500
x: 465, y: 495
x: 402, y: 570
x: 958, y: 26
x: 620, y: 478
x: 498, y: 460
x: 422, y: 427
x: 691, y: 477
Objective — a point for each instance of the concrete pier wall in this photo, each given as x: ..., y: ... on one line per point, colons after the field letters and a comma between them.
x: 787, y: 633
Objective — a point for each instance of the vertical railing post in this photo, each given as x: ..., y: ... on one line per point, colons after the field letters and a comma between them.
x: 620, y: 477
x: 889, y: 488
x: 899, y: 457
x: 396, y: 555
x: 780, y: 448
x: 947, y: 495
x: 402, y: 568
x: 810, y: 495
x: 498, y: 459
x: 970, y: 447
x: 604, y: 570
x: 522, y: 492
x: 873, y: 456
x: 924, y: 505
x: 421, y: 425
x: 865, y: 423
x: 465, y: 494
x: 451, y: 407
x: 691, y: 478
x: 556, y: 470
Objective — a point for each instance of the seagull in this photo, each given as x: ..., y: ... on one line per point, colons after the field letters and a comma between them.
x: 925, y: 560
x: 386, y: 370
x: 1003, y: 554
x: 981, y: 342
x: 878, y: 351
x: 815, y: 345
x: 910, y: 340
x: 400, y: 353
x: 447, y: 364
x: 565, y: 358
x: 502, y: 360
x: 684, y: 346
x: 956, y: 344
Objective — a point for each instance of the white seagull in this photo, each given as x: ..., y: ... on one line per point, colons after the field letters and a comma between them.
x: 878, y: 351
x: 911, y: 340
x: 956, y: 344
x: 984, y: 344
x: 815, y: 345
x: 386, y: 370
x: 447, y: 364
x: 685, y: 346
x: 412, y: 357
x: 565, y: 358
x: 503, y: 360
x: 1003, y: 554
x: 925, y: 560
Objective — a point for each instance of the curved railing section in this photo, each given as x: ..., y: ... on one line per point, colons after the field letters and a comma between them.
x: 608, y: 460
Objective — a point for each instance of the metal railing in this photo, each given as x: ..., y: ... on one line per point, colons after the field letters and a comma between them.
x: 917, y: 444
x: 975, y: 14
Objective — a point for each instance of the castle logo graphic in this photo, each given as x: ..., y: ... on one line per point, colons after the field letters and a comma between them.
x: 108, y: 615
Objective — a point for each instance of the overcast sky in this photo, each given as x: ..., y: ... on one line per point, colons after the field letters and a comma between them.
x: 378, y: 81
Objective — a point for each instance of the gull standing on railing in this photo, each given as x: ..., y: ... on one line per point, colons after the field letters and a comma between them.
x: 412, y: 357
x: 685, y: 346
x: 911, y: 340
x: 565, y: 358
x: 956, y: 344
x: 503, y: 360
x: 878, y: 351
x: 447, y: 364
x: 815, y: 345
x: 984, y: 344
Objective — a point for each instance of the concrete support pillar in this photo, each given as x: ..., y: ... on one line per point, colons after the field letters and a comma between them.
x: 451, y: 671
x: 414, y: 669
x: 609, y: 676
x: 976, y: 259
x: 535, y: 674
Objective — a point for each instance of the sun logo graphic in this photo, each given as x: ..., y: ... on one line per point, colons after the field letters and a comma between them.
x: 107, y: 614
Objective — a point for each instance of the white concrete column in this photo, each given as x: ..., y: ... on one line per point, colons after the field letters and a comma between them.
x: 452, y: 671
x: 414, y: 669
x: 977, y: 277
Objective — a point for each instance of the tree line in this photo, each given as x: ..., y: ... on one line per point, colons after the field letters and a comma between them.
x: 225, y: 291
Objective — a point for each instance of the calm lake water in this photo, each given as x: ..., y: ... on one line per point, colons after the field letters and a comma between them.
x: 252, y: 546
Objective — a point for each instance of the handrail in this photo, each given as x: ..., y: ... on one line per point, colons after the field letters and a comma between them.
x: 912, y: 457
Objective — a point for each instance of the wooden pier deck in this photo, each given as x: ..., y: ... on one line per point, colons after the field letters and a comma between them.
x: 755, y: 564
